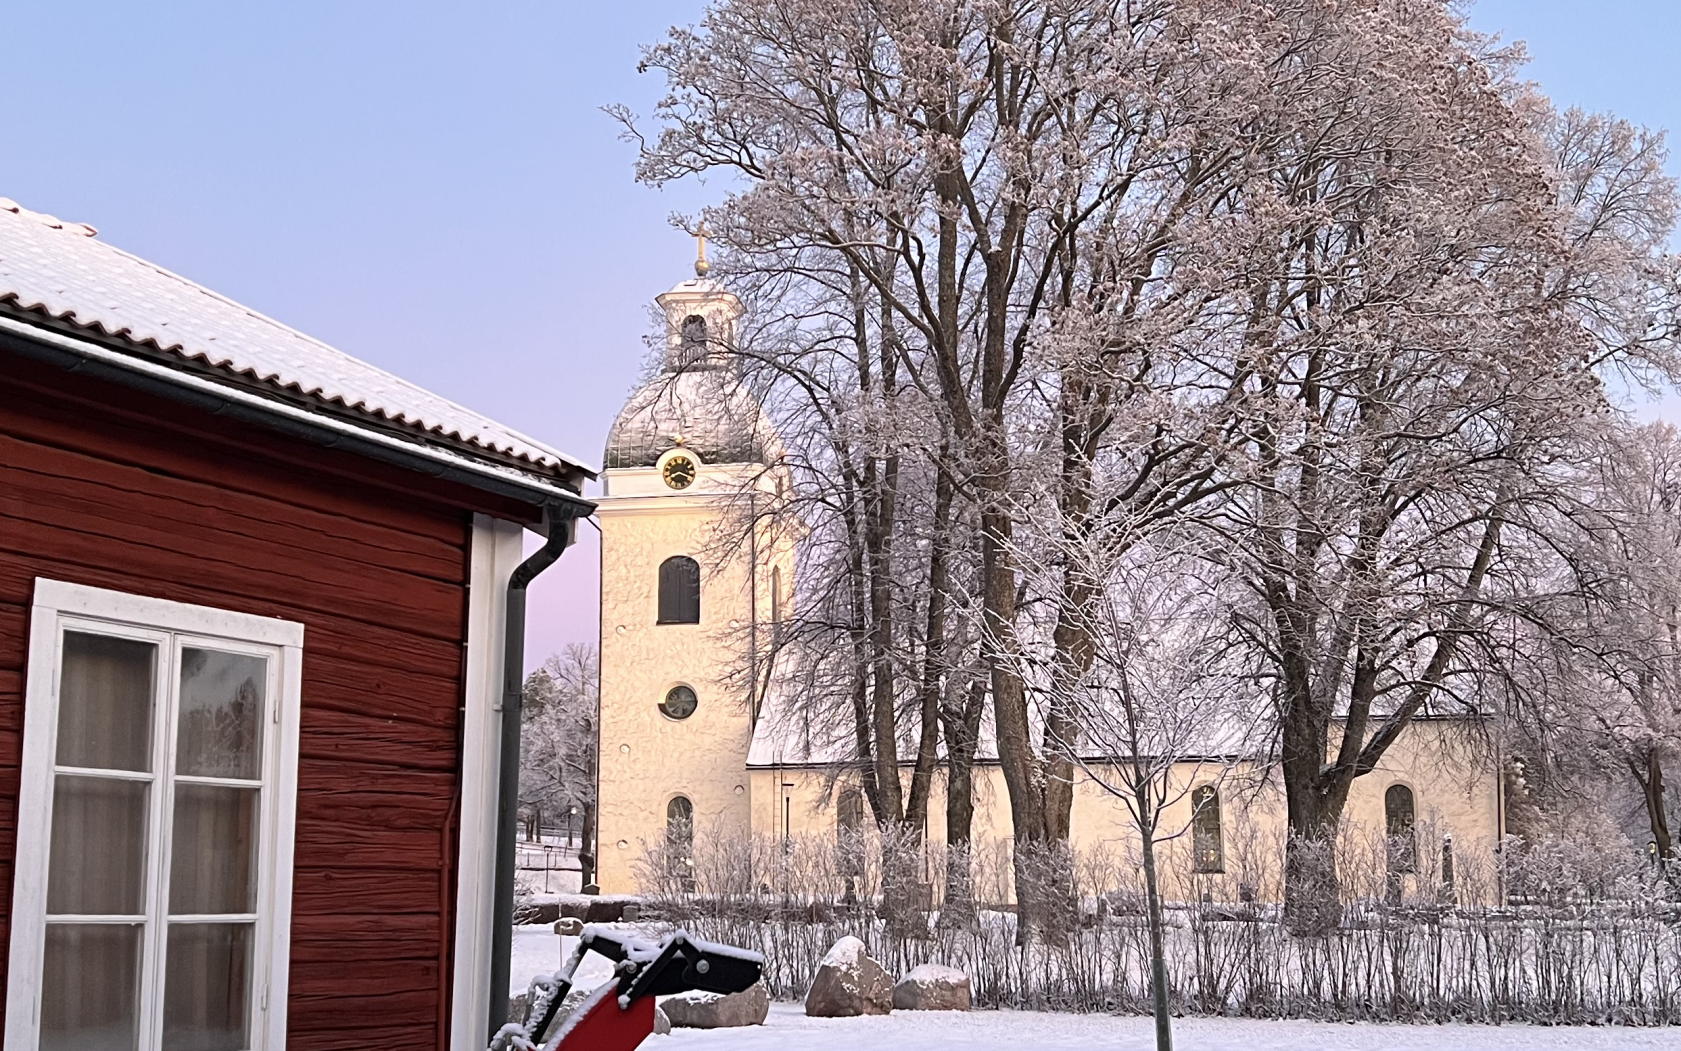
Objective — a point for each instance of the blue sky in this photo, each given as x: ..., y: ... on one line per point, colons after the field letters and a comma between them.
x: 433, y: 187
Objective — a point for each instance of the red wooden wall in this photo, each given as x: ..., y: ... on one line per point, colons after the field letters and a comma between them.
x: 104, y: 486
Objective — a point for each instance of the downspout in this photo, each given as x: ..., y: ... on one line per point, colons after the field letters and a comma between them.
x: 562, y: 520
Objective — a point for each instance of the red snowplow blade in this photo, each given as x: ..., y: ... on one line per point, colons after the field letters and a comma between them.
x: 600, y: 1024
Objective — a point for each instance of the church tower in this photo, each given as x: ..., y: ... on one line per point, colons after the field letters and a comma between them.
x: 692, y: 581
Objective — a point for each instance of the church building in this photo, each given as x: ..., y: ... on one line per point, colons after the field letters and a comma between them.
x: 698, y: 557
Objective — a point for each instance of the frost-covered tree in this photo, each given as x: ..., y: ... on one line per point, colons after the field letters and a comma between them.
x: 1321, y: 281
x: 1424, y: 283
x: 955, y: 177
x: 558, y: 765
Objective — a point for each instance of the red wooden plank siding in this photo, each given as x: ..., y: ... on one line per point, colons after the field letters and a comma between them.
x: 104, y: 486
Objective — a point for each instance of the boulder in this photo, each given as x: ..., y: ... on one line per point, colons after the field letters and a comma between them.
x: 569, y: 926
x: 662, y: 1024
x: 698, y: 1010
x: 536, y: 912
x: 849, y: 983
x: 933, y: 987
x: 568, y: 1004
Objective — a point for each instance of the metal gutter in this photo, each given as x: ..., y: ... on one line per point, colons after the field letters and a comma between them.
x: 90, y: 358
x: 562, y: 522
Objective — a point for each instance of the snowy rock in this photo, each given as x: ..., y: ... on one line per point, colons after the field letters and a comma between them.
x: 698, y: 1010
x: 569, y: 926
x: 849, y: 983
x: 593, y: 908
x: 933, y: 987
x: 569, y: 1004
x: 662, y: 1023
x: 536, y: 912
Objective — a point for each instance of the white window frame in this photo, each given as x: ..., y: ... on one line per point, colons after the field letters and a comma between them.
x: 59, y: 605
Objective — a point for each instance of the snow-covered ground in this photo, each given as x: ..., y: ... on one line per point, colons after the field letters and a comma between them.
x: 537, y: 949
x: 788, y: 1029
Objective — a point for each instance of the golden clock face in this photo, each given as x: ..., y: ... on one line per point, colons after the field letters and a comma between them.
x: 679, y: 472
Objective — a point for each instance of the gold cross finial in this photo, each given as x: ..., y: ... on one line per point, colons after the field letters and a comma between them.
x: 701, y: 265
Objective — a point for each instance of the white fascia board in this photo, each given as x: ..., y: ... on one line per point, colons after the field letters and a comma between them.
x: 496, y: 552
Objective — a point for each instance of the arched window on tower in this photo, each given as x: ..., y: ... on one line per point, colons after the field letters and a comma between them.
x: 693, y: 349
x: 679, y: 590
x: 1398, y: 821
x: 680, y: 841
x: 776, y: 603
x: 1208, y: 843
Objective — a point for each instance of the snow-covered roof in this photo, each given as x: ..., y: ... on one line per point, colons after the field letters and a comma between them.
x: 62, y: 271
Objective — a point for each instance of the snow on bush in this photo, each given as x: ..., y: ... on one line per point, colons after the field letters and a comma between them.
x: 1584, y: 939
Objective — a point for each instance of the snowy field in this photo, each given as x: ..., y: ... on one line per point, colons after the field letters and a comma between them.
x: 788, y: 1029
x: 537, y: 949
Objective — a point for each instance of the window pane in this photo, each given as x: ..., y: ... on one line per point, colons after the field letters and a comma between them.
x: 105, y: 702
x: 221, y: 714
x: 210, y: 860
x: 90, y: 987
x: 680, y: 702
x: 679, y: 599
x: 98, y: 847
x: 206, y: 986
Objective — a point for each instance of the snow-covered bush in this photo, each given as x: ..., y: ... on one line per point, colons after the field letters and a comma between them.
x: 1603, y: 945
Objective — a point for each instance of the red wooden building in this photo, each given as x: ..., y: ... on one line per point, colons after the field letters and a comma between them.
x: 256, y: 602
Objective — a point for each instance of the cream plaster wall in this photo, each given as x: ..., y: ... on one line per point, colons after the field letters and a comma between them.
x: 1453, y: 784
x: 647, y: 758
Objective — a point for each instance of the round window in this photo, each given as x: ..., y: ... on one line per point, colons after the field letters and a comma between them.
x: 679, y: 702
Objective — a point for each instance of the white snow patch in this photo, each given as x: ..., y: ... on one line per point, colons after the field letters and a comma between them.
x: 788, y: 1029
x: 844, y: 953
x: 539, y: 950
x: 933, y: 975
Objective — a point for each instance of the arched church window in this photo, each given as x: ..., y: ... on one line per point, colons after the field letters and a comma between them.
x: 679, y: 590
x: 680, y: 840
x: 776, y: 602
x: 1398, y: 821
x: 680, y: 702
x: 1208, y: 845
x: 693, y: 350
x: 849, y: 813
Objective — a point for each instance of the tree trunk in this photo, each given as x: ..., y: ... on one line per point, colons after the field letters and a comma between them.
x: 1153, y: 904
x: 1312, y: 891
x: 1022, y: 777
x: 586, y: 847
x: 1650, y: 776
x: 962, y: 734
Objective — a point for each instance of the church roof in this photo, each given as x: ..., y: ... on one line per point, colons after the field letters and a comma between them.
x: 708, y: 410
x: 50, y: 269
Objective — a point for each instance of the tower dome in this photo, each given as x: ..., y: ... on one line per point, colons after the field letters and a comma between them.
x: 709, y: 411
x: 698, y: 400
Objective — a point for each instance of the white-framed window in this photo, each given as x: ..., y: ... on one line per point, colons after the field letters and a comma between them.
x: 151, y: 907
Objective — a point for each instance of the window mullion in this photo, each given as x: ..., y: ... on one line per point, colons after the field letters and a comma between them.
x: 159, y: 859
